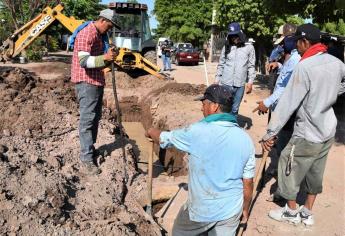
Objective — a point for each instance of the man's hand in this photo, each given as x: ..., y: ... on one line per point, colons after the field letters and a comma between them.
x: 261, y: 108
x: 245, y: 216
x: 271, y: 66
x: 249, y: 87
x: 110, y: 55
x: 153, y: 133
x: 268, y: 144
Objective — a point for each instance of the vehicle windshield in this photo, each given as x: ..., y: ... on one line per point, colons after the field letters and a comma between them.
x: 186, y: 47
x: 129, y: 23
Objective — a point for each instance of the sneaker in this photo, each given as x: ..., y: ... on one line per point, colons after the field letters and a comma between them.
x: 306, y: 216
x: 91, y: 168
x: 285, y: 214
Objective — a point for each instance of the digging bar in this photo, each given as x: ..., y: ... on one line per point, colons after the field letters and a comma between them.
x: 149, y: 180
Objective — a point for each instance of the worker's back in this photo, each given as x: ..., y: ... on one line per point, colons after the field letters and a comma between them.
x: 314, y: 89
x: 221, y: 154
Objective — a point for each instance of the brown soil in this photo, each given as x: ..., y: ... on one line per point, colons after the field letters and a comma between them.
x: 44, y: 189
x: 40, y: 141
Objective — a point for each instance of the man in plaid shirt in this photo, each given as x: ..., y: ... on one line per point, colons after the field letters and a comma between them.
x: 88, y: 62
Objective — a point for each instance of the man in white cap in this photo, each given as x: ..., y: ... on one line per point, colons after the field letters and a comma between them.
x: 88, y: 61
x: 278, y: 51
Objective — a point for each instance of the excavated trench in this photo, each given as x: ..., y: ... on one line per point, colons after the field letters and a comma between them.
x: 148, y: 102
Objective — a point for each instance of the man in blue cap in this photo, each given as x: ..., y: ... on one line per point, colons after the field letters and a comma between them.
x: 221, y: 166
x: 236, y: 64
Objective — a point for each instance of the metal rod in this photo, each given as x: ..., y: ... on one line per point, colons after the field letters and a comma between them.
x: 149, y: 181
x: 119, y: 121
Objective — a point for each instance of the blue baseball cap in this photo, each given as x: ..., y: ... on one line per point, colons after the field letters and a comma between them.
x: 234, y: 28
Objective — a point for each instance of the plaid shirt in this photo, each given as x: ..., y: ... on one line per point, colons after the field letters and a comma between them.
x: 87, y: 40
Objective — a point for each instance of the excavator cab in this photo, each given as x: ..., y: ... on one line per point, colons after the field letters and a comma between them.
x: 135, y: 34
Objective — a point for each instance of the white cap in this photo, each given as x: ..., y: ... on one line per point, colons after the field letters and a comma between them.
x: 109, y: 15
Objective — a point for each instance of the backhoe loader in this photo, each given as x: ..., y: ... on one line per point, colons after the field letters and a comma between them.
x: 134, y: 41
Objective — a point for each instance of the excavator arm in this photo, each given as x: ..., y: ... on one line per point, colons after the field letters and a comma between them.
x: 24, y: 36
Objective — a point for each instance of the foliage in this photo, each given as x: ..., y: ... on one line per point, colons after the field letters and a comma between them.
x: 36, y: 50
x: 321, y: 11
x: 83, y: 9
x: 21, y: 11
x: 53, y: 44
x: 184, y: 20
x: 335, y: 27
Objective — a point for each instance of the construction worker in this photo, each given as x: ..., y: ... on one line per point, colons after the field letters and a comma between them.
x: 278, y: 51
x: 87, y: 63
x: 236, y: 64
x: 221, y: 167
x: 291, y: 58
x: 166, y: 55
x: 314, y: 86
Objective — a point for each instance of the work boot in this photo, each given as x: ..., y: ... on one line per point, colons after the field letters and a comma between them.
x: 306, y: 216
x: 285, y: 214
x: 91, y: 168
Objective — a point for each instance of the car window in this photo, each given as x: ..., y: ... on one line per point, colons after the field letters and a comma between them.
x: 185, y: 45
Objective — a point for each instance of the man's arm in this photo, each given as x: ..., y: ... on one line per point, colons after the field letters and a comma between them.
x: 88, y: 61
x: 248, y: 175
x: 342, y: 86
x: 290, y: 100
x: 251, y: 69
x: 251, y: 65
x: 282, y: 82
x: 220, y: 66
x: 179, y: 138
x: 247, y: 197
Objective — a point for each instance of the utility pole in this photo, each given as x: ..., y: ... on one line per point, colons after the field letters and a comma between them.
x: 213, y: 29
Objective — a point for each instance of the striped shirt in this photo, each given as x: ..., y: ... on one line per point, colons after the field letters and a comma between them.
x: 88, y: 41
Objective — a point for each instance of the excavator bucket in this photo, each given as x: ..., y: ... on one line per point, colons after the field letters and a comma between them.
x: 129, y: 60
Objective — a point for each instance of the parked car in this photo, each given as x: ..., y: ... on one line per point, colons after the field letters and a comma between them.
x: 185, y: 53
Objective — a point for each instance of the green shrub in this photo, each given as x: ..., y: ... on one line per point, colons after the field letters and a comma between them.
x: 53, y: 44
x: 36, y: 50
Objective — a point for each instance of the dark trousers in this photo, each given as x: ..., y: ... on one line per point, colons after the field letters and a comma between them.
x: 90, y: 105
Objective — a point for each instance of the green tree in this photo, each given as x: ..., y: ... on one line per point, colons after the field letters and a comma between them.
x: 83, y: 9
x: 184, y: 20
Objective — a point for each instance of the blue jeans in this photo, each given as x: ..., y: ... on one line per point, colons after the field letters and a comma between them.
x: 166, y: 62
x: 237, y: 93
x: 90, y: 105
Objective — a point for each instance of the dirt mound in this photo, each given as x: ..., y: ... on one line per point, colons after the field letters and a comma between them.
x: 43, y: 187
x: 27, y: 102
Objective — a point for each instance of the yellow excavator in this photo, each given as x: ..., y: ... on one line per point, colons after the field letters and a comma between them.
x: 134, y: 40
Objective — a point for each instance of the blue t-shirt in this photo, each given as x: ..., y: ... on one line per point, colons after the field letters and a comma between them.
x: 220, y: 155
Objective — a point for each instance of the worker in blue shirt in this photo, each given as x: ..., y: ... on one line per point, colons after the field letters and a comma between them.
x: 291, y: 58
x: 221, y: 167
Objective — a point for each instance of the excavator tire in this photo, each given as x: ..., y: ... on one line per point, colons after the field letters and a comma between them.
x: 151, y: 56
